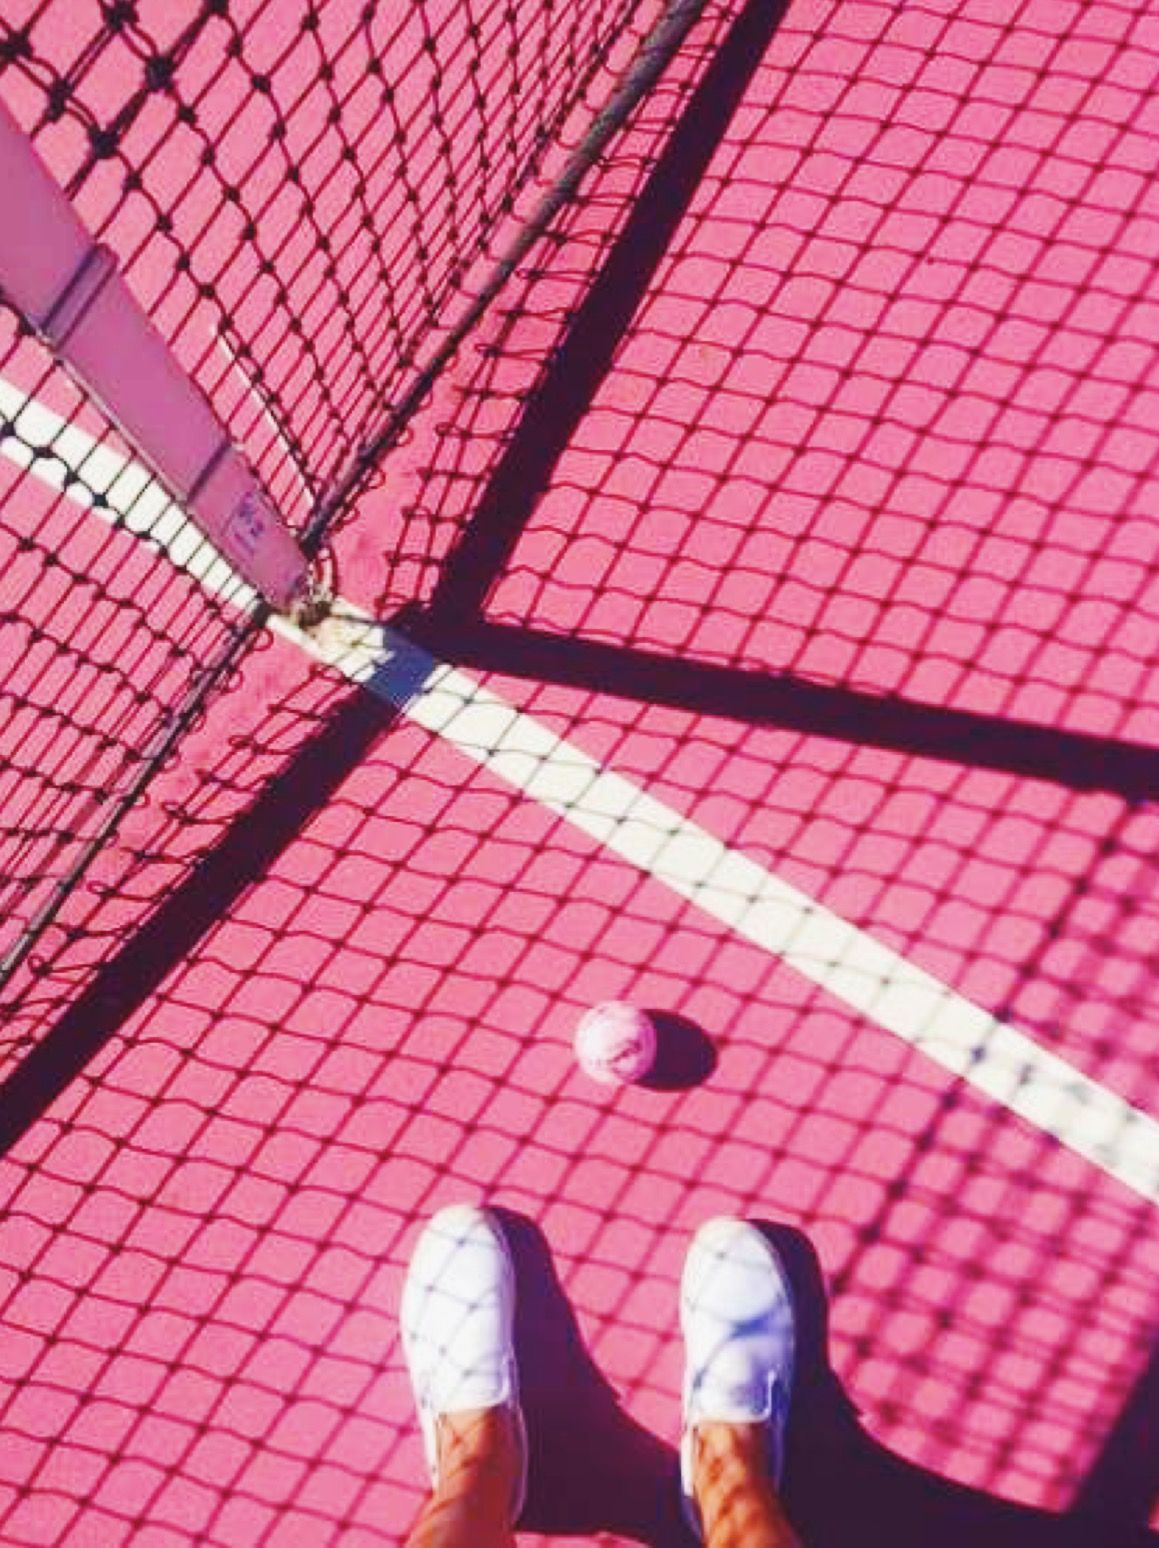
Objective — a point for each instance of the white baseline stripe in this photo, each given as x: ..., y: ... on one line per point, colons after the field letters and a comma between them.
x: 877, y: 983
x: 134, y: 497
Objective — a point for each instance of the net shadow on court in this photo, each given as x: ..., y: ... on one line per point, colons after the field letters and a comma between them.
x: 1070, y: 759
x: 453, y: 622
x: 839, y: 1478
x: 343, y: 1008
x: 595, y: 1468
x: 235, y: 861
x: 585, y: 354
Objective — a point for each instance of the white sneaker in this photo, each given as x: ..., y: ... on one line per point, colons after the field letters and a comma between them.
x: 736, y: 1314
x: 457, y: 1316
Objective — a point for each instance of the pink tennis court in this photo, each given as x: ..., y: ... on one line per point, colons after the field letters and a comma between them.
x: 723, y: 440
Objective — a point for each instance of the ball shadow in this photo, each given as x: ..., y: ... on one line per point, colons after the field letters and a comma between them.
x: 685, y: 1055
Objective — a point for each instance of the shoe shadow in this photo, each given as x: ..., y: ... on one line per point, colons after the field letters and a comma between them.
x: 592, y: 1468
x: 842, y: 1487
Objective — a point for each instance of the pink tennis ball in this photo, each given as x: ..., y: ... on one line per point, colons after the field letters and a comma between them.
x: 615, y: 1043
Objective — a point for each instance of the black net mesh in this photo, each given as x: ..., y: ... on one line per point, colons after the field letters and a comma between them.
x: 302, y: 198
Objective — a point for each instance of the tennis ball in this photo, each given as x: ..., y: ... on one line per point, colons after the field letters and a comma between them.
x: 615, y: 1043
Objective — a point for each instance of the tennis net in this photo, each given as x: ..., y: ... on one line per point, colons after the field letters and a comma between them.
x: 314, y: 203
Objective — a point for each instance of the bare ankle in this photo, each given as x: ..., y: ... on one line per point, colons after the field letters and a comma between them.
x: 720, y: 1444
x: 477, y: 1441
x: 729, y: 1460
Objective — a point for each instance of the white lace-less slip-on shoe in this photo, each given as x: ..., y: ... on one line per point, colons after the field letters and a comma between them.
x: 736, y: 1314
x: 457, y: 1316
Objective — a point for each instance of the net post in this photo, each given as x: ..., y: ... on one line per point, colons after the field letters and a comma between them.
x: 70, y: 291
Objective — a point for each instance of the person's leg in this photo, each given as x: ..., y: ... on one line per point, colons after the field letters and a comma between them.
x: 737, y: 1499
x: 457, y: 1315
x: 479, y: 1468
x: 737, y: 1319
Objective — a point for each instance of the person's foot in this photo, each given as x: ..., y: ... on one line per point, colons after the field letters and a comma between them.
x: 736, y: 1314
x: 457, y: 1316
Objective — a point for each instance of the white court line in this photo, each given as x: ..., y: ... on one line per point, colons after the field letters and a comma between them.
x: 133, y: 495
x: 878, y: 984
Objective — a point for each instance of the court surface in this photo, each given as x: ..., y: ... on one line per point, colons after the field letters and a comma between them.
x: 800, y: 684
